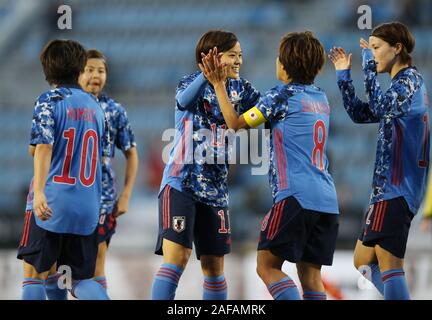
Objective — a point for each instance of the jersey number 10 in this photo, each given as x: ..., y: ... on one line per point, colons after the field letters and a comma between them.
x: 65, y: 177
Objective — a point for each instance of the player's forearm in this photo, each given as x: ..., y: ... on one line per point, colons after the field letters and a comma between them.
x: 372, y: 86
x: 357, y: 110
x: 350, y: 100
x: 131, y: 171
x: 228, y: 112
x: 189, y: 96
x: 42, y: 163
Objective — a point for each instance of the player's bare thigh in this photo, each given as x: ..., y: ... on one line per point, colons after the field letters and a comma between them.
x: 387, y: 261
x: 174, y: 253
x: 30, y: 272
x: 364, y: 255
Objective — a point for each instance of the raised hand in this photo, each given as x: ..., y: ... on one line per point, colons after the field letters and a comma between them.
x: 364, y: 44
x: 212, y: 67
x: 340, y: 58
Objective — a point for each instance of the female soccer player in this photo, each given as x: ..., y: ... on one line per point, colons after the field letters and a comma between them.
x: 93, y: 80
x: 402, y: 155
x: 69, y: 136
x: 302, y: 225
x: 193, y: 198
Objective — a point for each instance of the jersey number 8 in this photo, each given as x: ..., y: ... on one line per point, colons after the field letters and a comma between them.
x: 319, y: 144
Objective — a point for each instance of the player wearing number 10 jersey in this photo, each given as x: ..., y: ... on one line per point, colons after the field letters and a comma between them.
x: 302, y: 225
x: 70, y: 134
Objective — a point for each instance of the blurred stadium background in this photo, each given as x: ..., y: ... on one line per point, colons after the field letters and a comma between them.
x: 150, y: 45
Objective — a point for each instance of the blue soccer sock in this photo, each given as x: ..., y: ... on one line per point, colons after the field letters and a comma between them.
x: 376, y: 278
x: 284, y: 289
x: 314, y: 295
x: 33, y: 289
x: 166, y: 281
x: 395, y: 285
x: 102, y: 281
x: 215, y: 288
x: 88, y: 289
x: 52, y: 289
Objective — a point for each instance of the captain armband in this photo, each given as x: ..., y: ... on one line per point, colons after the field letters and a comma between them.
x: 254, y: 117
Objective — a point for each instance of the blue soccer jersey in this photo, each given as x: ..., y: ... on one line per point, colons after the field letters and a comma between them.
x: 402, y: 155
x: 73, y: 122
x: 205, y: 181
x: 123, y: 138
x: 298, y: 116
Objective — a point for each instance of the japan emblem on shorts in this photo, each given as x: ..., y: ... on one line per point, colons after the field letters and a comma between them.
x: 179, y: 224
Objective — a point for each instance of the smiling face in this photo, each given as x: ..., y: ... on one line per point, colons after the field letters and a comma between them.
x: 385, y: 55
x: 94, y: 76
x: 233, y: 59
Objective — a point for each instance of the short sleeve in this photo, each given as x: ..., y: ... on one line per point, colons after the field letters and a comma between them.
x: 43, y: 124
x: 273, y: 105
x: 125, y: 138
x: 106, y: 138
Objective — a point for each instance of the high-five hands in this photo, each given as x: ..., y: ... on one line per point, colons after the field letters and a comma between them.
x: 213, y: 69
x: 364, y: 44
x: 340, y: 58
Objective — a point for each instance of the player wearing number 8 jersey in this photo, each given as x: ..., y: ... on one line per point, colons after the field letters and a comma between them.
x: 402, y: 155
x: 302, y: 225
x: 70, y: 134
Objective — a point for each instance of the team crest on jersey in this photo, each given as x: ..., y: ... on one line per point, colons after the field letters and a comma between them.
x: 179, y: 223
x: 234, y: 97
